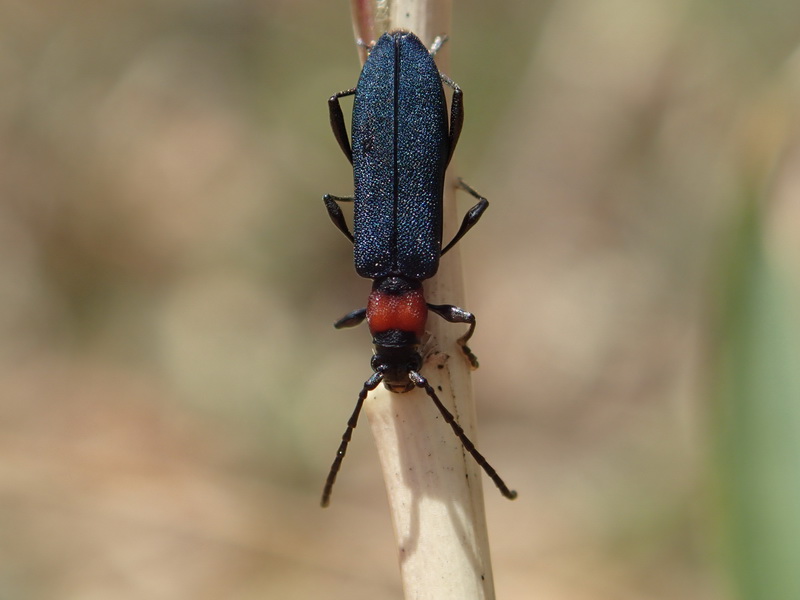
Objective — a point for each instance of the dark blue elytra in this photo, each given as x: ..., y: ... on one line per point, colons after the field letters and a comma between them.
x: 400, y: 152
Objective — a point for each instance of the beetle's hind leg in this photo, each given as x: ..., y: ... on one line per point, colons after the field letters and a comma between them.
x: 368, y: 46
x: 337, y: 122
x: 437, y: 44
x: 456, y: 114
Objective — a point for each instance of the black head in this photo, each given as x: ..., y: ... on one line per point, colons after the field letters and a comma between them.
x: 395, y: 363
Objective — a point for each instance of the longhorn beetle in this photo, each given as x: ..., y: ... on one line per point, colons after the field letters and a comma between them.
x: 401, y: 145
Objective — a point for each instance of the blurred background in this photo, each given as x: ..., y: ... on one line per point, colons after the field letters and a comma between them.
x: 172, y: 391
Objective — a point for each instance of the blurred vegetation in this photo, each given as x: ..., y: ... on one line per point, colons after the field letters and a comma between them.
x: 172, y: 392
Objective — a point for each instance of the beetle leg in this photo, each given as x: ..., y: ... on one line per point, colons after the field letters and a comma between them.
x: 335, y: 213
x: 456, y: 114
x: 351, y: 319
x: 337, y: 122
x: 366, y: 46
x: 437, y: 44
x: 473, y: 215
x: 453, y: 314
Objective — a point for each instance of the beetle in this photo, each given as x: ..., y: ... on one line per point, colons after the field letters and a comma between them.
x: 401, y: 146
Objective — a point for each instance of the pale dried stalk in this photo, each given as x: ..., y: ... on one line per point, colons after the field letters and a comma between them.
x: 433, y: 484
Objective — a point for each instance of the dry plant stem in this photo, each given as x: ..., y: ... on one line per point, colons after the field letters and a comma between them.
x: 434, y: 485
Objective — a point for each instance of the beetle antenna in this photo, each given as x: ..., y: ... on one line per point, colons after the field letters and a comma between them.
x: 369, y: 385
x: 420, y: 381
